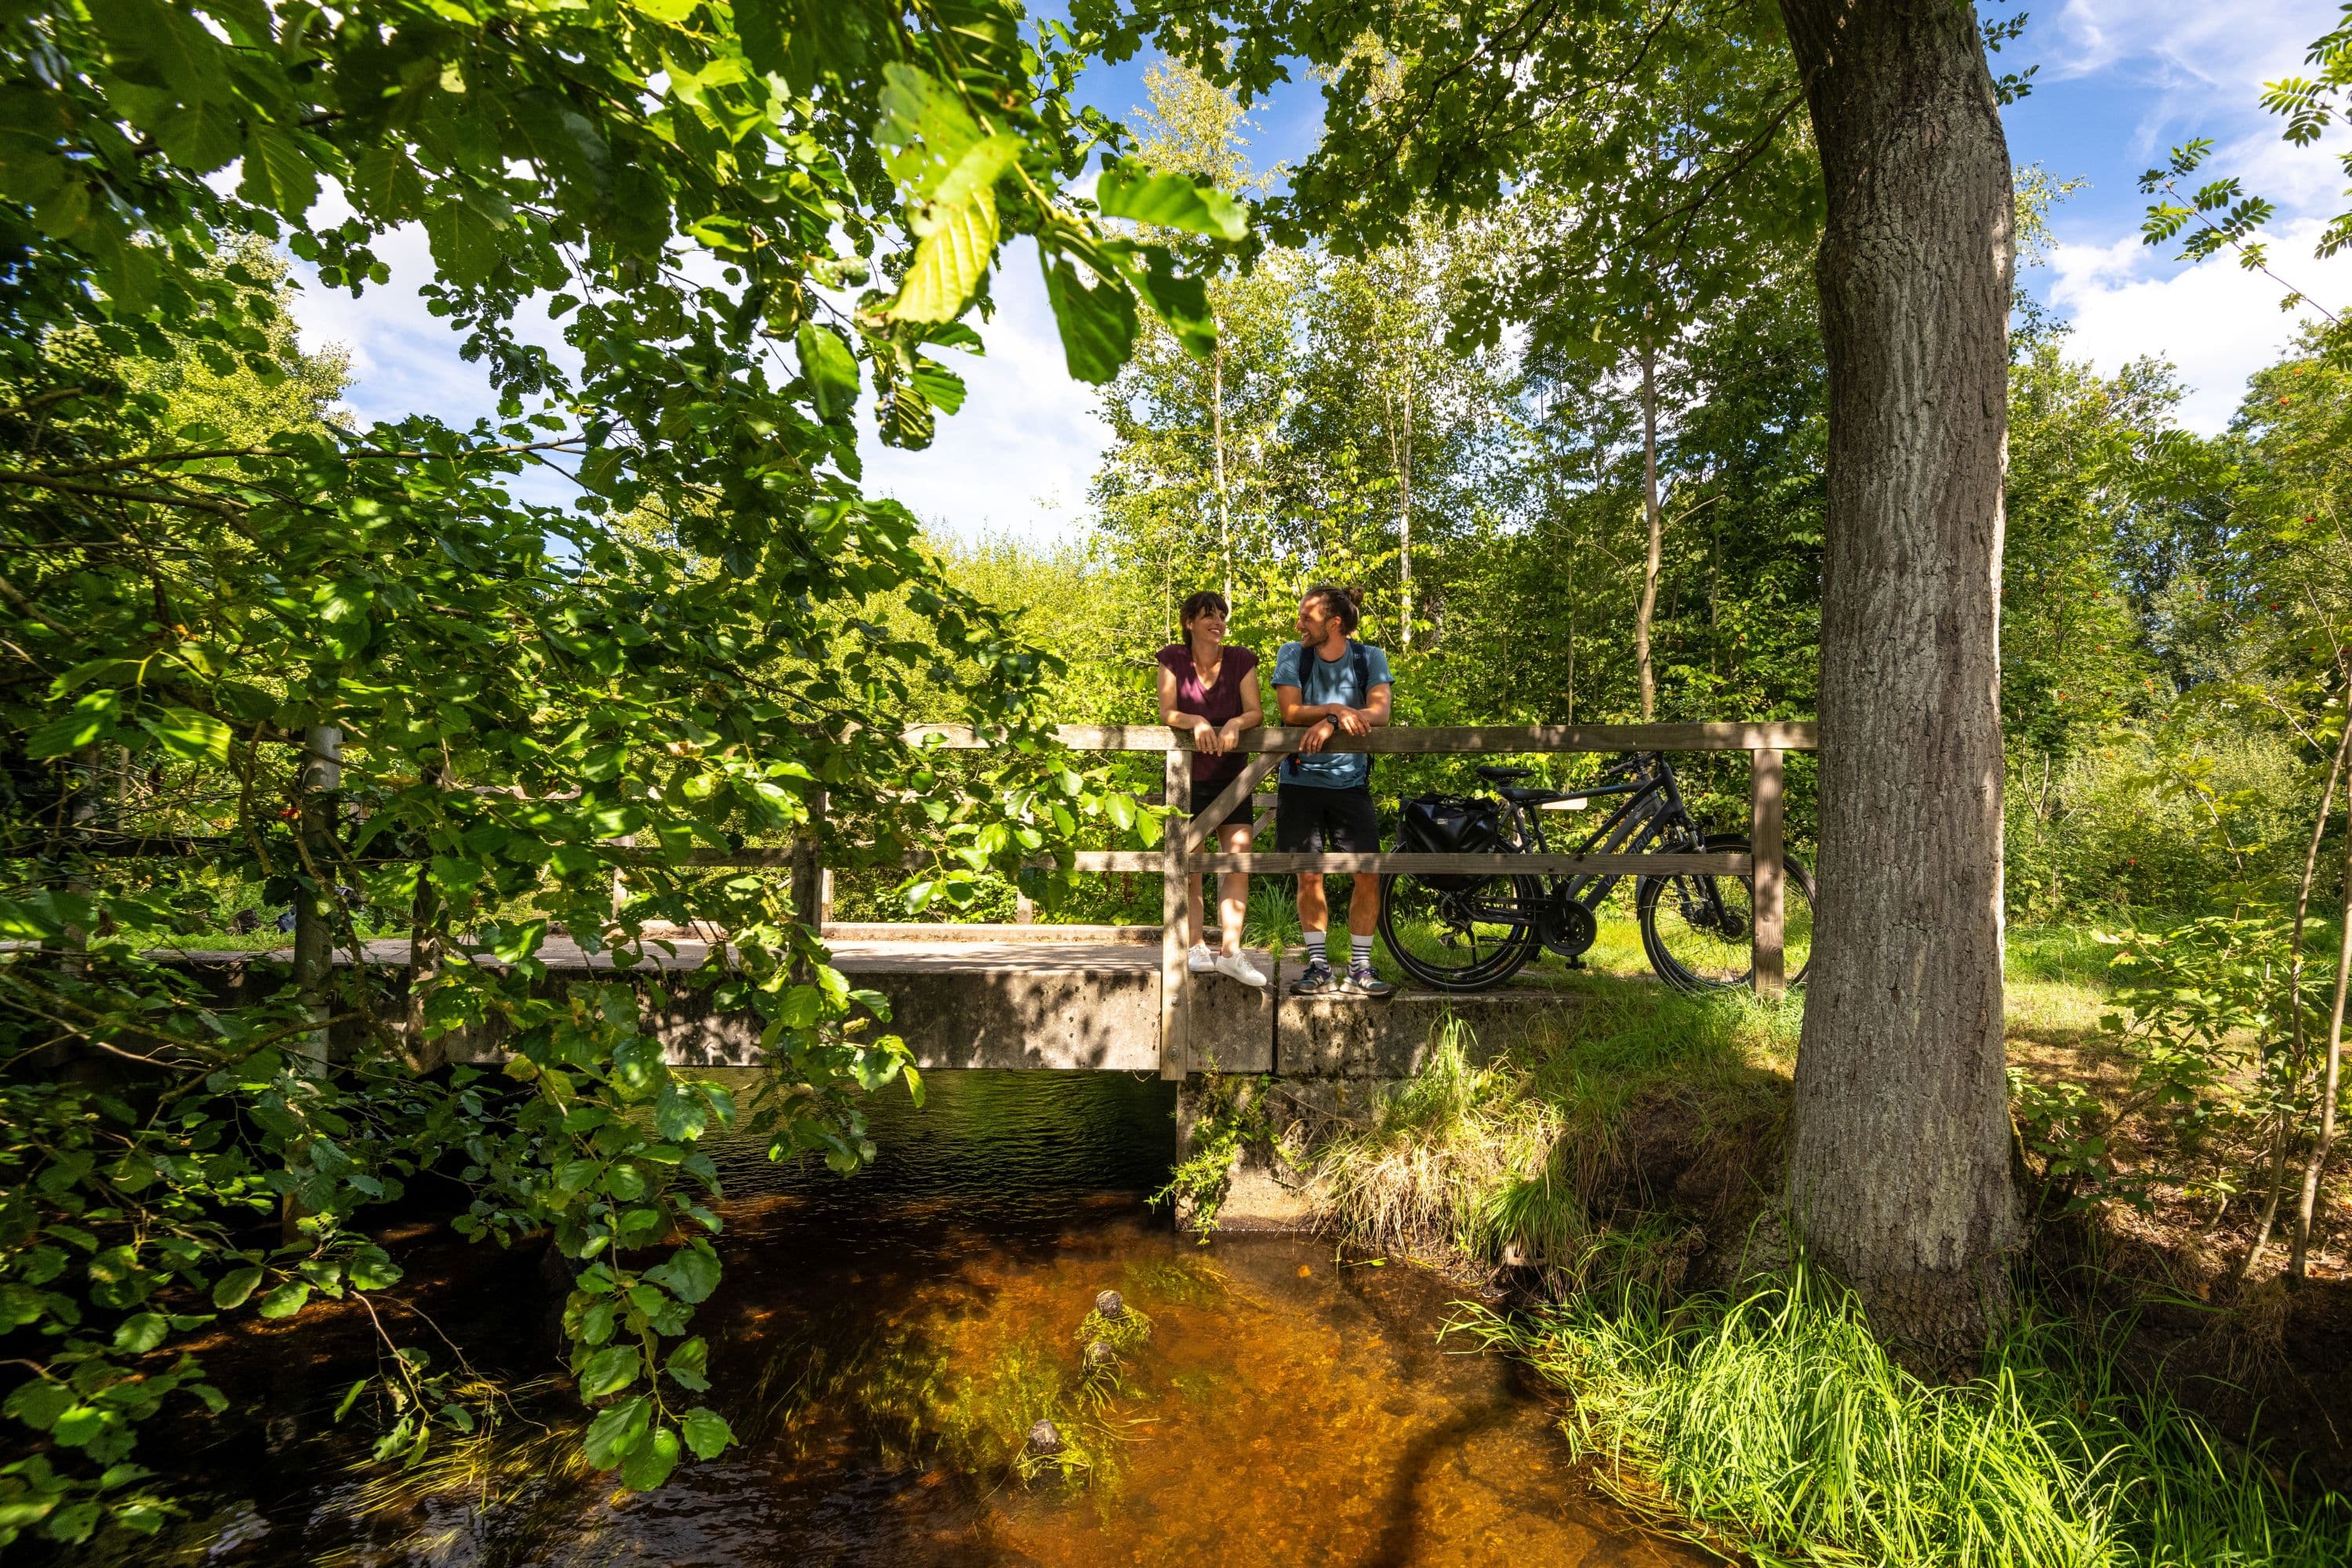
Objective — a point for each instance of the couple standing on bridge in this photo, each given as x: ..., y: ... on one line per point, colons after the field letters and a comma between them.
x: 1332, y: 685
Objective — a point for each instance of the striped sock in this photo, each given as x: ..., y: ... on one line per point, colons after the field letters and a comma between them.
x: 1330, y: 947
x: 1360, y: 950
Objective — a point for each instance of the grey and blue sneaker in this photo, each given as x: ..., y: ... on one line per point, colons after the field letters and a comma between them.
x: 1317, y: 980
x: 1362, y: 982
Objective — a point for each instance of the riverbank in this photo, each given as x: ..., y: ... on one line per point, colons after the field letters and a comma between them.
x: 1609, y: 1164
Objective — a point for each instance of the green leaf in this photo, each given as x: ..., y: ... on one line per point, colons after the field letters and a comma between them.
x: 90, y: 720
x: 385, y: 182
x: 611, y: 1369
x: 1171, y: 201
x: 201, y: 136
x: 235, y: 1287
x: 39, y: 1401
x: 650, y: 1464
x: 21, y: 1304
x: 286, y: 1301
x: 78, y: 1426
x: 948, y: 163
x: 707, y: 1433
x: 691, y: 1274
x: 466, y: 235
x: 689, y: 1364
x: 949, y: 263
x: 1098, y: 325
x: 616, y: 1429
x: 141, y: 1334
x: 831, y: 369
x: 185, y: 732
x: 373, y: 1269
x: 940, y: 387
x: 278, y: 174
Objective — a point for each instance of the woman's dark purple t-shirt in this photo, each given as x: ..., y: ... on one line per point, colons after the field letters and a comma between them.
x: 1219, y: 704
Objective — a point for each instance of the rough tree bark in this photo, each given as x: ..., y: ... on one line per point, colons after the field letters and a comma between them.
x: 1898, y: 1169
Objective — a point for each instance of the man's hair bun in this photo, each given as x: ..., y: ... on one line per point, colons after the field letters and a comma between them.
x: 1345, y: 603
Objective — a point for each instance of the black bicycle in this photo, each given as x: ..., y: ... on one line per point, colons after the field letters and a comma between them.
x: 1473, y: 932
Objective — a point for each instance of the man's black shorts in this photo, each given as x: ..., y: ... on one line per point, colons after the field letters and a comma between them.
x: 1310, y: 818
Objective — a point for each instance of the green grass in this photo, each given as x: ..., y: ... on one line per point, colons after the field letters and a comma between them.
x: 1502, y: 1148
x: 1776, y: 1422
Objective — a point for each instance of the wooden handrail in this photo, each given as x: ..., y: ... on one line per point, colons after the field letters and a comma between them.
x: 1181, y: 855
x: 1785, y: 735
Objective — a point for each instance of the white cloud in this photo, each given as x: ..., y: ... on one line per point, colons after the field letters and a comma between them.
x: 2188, y: 68
x: 2217, y: 322
x: 1019, y: 455
x: 2183, y: 46
x: 1017, y: 459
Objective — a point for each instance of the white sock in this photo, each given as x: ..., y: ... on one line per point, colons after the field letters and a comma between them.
x: 1313, y: 937
x: 1360, y: 949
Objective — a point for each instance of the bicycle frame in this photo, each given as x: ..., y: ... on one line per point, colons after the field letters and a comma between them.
x: 1652, y: 813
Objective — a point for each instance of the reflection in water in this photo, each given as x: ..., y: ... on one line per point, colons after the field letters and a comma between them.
x: 884, y: 1346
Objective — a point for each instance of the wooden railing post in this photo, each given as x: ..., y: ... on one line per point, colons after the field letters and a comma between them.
x: 1765, y: 844
x: 1175, y: 970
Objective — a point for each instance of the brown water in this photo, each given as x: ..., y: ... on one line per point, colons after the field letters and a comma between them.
x: 882, y: 1346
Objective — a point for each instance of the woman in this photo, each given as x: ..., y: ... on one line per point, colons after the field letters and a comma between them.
x: 1210, y: 690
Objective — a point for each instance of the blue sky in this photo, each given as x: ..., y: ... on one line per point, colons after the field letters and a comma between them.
x: 2120, y: 83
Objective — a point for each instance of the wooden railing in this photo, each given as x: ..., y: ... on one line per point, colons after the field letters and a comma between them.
x: 1181, y: 857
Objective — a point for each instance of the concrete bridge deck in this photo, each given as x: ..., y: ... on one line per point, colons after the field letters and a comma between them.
x: 1021, y: 997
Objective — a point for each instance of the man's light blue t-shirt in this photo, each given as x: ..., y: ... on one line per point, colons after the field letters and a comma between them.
x: 1320, y: 680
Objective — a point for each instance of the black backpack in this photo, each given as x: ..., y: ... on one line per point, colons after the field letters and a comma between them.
x: 1449, y: 825
x: 1362, y: 663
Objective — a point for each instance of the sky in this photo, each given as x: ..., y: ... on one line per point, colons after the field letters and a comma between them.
x: 2120, y: 83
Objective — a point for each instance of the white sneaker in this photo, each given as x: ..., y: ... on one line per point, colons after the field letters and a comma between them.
x: 1201, y: 960
x: 1237, y: 966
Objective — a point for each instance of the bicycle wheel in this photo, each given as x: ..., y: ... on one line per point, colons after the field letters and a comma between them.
x: 1465, y: 939
x: 1699, y: 932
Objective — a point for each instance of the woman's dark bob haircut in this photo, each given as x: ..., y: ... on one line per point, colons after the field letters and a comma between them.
x: 1201, y: 602
x: 1348, y: 604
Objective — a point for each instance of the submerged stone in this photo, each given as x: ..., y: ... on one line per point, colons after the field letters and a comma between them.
x: 1110, y: 1304
x: 1045, y: 1438
x: 1099, y: 1353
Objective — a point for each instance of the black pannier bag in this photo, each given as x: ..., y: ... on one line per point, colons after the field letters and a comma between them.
x: 1450, y: 825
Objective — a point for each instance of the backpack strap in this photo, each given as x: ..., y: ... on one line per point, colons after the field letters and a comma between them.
x: 1362, y: 662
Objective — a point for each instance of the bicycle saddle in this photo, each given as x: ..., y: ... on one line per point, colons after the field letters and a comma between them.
x: 1495, y: 774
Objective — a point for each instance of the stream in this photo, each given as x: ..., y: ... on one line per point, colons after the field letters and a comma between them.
x: 883, y: 1346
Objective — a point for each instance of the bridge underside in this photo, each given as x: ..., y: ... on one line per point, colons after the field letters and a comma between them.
x: 1014, y: 998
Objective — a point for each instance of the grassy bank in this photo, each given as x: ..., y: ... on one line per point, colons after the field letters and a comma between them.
x: 1612, y: 1161
x: 1774, y: 1420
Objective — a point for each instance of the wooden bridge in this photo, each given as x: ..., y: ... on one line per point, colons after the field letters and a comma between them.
x: 1123, y: 998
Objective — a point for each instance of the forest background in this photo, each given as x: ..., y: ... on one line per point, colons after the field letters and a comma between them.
x: 2168, y: 598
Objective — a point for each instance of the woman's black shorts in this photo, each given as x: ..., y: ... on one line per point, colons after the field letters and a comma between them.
x: 1340, y: 820
x: 1242, y: 815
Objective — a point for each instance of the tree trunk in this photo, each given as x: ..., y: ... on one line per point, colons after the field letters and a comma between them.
x: 1899, y: 1146
x: 1404, y: 526
x: 1217, y: 428
x: 1657, y: 521
x: 2330, y: 1083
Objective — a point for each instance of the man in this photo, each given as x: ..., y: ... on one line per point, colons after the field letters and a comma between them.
x: 1334, y: 686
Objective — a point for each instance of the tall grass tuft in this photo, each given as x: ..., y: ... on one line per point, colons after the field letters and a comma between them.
x: 1477, y: 1162
x: 1776, y: 1420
